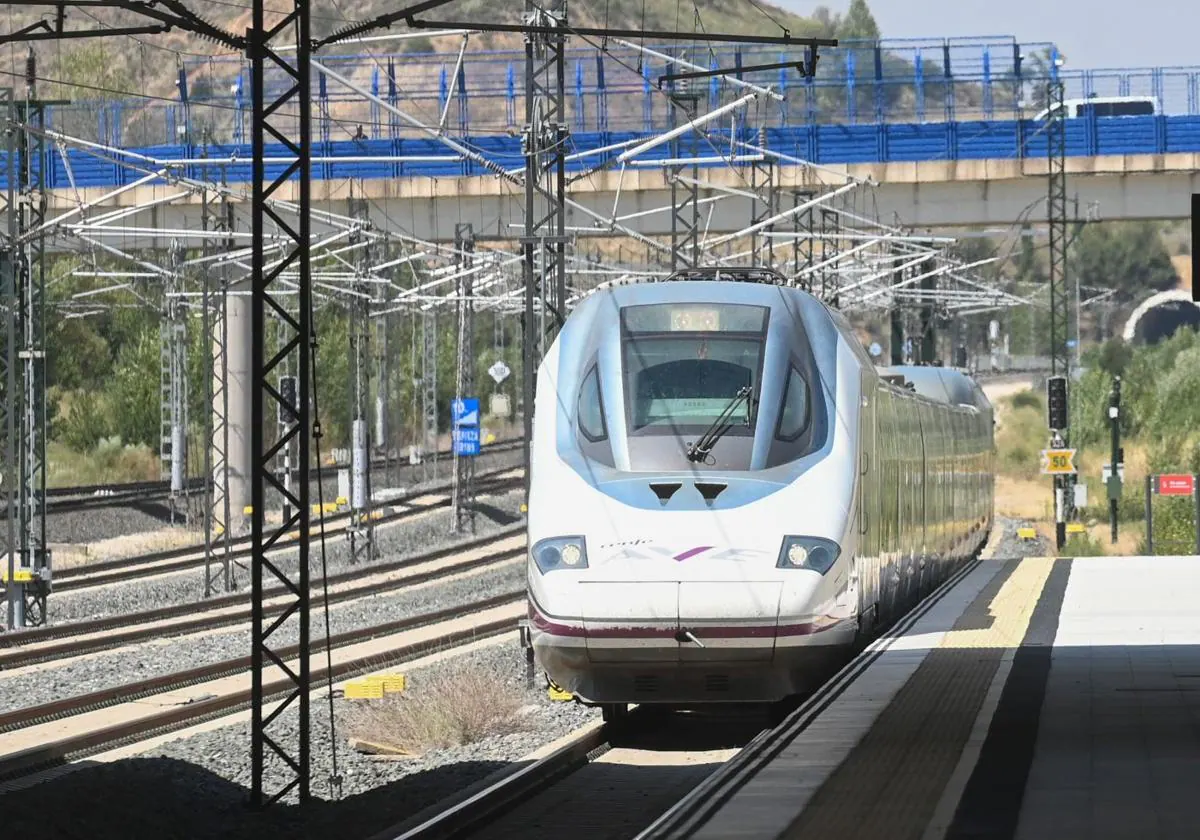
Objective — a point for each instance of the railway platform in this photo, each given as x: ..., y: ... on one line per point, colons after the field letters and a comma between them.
x: 1030, y: 699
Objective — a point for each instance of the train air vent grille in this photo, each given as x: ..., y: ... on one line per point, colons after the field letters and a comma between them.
x: 645, y: 684
x: 716, y: 682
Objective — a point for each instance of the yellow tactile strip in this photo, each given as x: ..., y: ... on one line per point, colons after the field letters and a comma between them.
x: 890, y: 784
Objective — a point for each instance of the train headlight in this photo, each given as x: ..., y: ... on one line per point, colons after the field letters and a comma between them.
x: 813, y: 553
x: 560, y: 553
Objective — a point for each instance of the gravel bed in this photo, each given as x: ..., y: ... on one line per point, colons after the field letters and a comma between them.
x: 168, y: 655
x: 198, y: 787
x: 416, y: 536
x: 87, y: 526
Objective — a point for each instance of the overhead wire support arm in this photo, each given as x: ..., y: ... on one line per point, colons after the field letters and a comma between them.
x: 785, y: 40
x: 172, y: 14
x: 807, y: 68
x: 381, y: 22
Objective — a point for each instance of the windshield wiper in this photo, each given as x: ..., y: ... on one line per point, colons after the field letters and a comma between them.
x: 701, y: 449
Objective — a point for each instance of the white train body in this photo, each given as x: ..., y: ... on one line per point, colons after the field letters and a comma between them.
x: 831, y: 503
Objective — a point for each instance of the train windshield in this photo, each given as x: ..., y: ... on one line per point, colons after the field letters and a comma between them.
x: 685, y: 363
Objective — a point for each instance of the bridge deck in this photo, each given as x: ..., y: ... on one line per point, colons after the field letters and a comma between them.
x: 1038, y: 699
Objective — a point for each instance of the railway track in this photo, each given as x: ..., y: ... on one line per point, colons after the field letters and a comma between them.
x: 90, y: 497
x: 57, y: 642
x: 90, y: 724
x: 613, y: 781
x: 187, y: 558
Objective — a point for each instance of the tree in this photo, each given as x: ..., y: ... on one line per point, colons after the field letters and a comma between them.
x: 858, y: 23
x: 1127, y: 256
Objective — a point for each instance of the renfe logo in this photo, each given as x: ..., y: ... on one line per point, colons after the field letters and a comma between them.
x: 1176, y: 485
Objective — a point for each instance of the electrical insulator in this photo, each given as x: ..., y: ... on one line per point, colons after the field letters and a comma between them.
x: 1056, y: 402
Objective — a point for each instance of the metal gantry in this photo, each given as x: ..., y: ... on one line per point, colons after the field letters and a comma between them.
x: 464, y: 465
x: 764, y: 205
x: 1060, y: 296
x: 544, y: 242
x: 685, y: 189
x: 217, y: 218
x: 29, y: 563
x: 429, y: 393
x: 278, y: 748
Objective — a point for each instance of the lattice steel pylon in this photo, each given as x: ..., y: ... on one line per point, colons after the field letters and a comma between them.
x: 802, y: 241
x: 464, y: 465
x: 830, y: 245
x: 361, y: 530
x: 429, y: 407
x: 1056, y: 210
x: 544, y: 267
x: 29, y: 572
x: 218, y: 541
x: 685, y: 191
x: 172, y: 332
x: 283, y: 116
x: 10, y: 405
x: 1060, y: 297
x: 379, y: 347
x: 764, y: 205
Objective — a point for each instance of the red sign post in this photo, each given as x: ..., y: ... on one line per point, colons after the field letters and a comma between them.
x: 1176, y: 485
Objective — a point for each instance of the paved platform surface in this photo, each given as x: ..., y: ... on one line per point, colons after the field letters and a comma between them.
x: 1039, y: 699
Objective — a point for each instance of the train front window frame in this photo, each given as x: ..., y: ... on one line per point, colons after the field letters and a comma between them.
x: 591, y: 401
x: 716, y: 339
x: 795, y: 384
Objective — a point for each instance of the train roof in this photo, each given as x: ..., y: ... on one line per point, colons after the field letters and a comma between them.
x: 950, y: 386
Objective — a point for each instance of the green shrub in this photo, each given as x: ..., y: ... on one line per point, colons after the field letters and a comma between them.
x: 86, y: 422
x: 1082, y: 545
x: 1027, y: 399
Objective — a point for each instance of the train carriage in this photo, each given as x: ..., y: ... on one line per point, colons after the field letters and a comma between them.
x: 727, y: 496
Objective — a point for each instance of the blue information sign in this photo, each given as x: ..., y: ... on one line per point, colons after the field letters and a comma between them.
x: 464, y: 418
x: 464, y: 412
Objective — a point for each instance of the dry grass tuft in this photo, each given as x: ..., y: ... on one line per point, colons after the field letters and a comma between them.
x: 459, y: 703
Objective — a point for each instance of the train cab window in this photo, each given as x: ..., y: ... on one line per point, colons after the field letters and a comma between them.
x: 686, y: 365
x: 794, y: 413
x: 591, y: 408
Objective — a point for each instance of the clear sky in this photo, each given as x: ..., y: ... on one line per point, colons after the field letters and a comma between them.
x: 1091, y: 33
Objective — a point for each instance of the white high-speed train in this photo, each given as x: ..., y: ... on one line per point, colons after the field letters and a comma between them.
x: 727, y: 496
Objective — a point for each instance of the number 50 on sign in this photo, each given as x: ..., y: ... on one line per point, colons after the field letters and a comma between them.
x: 1058, y: 462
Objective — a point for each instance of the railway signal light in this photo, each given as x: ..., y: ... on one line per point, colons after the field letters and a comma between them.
x: 1056, y: 402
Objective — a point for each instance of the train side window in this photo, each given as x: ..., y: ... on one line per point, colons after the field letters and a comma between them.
x: 793, y: 417
x: 591, y: 408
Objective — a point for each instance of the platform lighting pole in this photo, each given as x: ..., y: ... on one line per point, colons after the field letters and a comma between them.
x: 685, y: 194
x: 172, y: 333
x: 361, y: 530
x: 30, y: 567
x: 284, y: 117
x: 764, y: 205
x: 1060, y: 300
x: 464, y: 465
x: 545, y: 240
x: 218, y: 540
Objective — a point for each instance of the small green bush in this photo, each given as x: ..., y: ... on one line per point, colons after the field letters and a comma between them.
x: 1027, y: 399
x: 1082, y: 545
